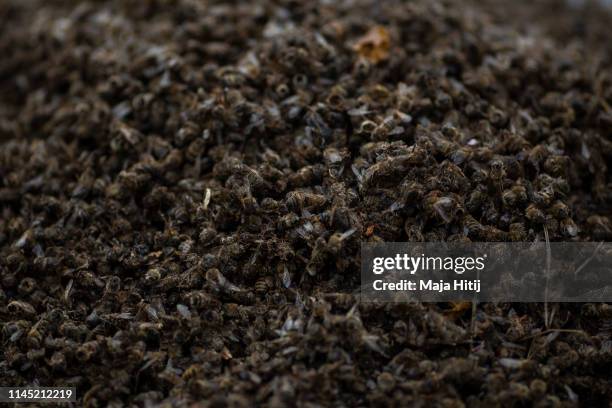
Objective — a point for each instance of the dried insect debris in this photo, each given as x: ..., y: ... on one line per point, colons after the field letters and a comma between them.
x: 185, y: 186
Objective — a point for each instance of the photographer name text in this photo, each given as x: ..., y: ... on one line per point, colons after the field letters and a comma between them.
x: 457, y: 285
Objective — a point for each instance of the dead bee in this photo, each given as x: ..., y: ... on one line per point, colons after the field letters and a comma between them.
x: 514, y: 196
x: 537, y: 155
x: 497, y: 170
x: 307, y: 176
x: 461, y: 155
x: 556, y: 165
x: 517, y: 232
x: 263, y: 285
x: 400, y: 331
x: 411, y: 192
x: 282, y: 90
x: 543, y: 197
x: 149, y: 332
x: 37, y: 333
x: 153, y: 275
x: 199, y: 300
x: 387, y: 129
x: 193, y: 372
x: 208, y: 236
x: 21, y: 308
x: 367, y: 127
x: 443, y: 101
x: 14, y: 330
x: 392, y: 166
x: 58, y: 362
x: 113, y: 285
x: 534, y: 214
x: 477, y: 174
x: 124, y: 137
x: 195, y: 150
x: 483, y: 154
x: 559, y: 210
x: 552, y: 226
x: 15, y: 262
x: 186, y: 134
x: 219, y: 282
x: 36, y: 354
x: 471, y: 227
x: 442, y: 145
x: 73, y: 331
x: 335, y: 161
x: 300, y: 200
x: 318, y: 257
x: 288, y: 221
x: 451, y: 131
x: 451, y: 177
x: 476, y: 200
x: 336, y: 97
x: 445, y: 208
x: 336, y: 241
x: 87, y: 351
x: 362, y: 68
x: 498, y: 118
x: 26, y: 286
x: 600, y: 226
x: 568, y: 227
x: 413, y: 230
x: 493, y: 234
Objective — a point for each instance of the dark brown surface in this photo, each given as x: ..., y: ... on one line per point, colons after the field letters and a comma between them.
x: 184, y: 187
